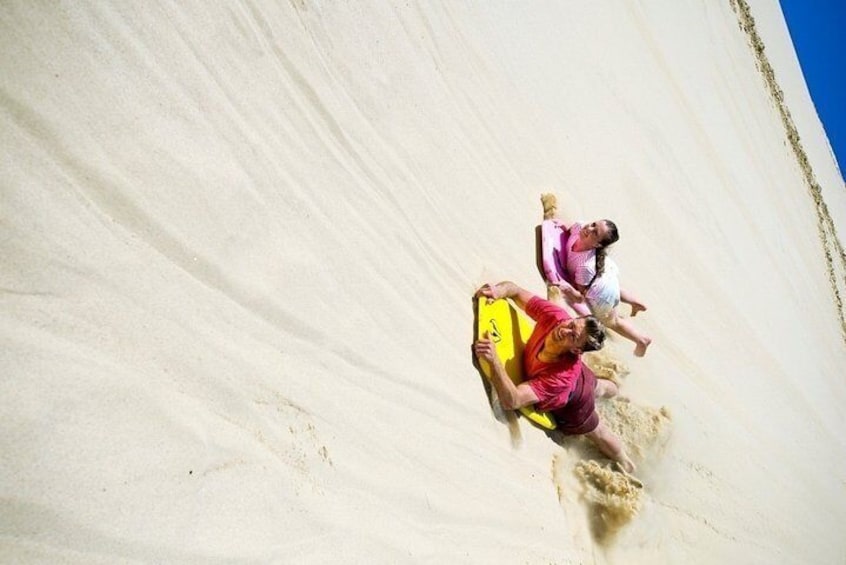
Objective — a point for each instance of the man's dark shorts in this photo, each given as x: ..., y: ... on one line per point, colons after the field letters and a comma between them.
x: 579, y: 415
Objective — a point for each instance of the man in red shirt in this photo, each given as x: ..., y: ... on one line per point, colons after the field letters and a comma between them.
x: 556, y: 380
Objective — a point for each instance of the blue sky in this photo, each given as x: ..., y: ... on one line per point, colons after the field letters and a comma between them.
x: 818, y: 31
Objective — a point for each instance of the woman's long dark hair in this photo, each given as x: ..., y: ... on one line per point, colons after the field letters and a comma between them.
x: 612, y: 236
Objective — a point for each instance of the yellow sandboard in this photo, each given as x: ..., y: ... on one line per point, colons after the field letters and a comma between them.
x: 509, y: 329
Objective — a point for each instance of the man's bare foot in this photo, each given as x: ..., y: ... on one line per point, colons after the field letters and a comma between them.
x: 628, y: 474
x: 626, y: 465
x: 640, y: 349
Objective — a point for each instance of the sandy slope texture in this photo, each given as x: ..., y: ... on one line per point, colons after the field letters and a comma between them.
x: 239, y: 242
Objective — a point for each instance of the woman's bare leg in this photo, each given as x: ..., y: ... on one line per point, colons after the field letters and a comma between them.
x: 626, y: 329
x: 629, y: 298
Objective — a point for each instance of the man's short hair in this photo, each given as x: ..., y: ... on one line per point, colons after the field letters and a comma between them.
x: 595, y: 334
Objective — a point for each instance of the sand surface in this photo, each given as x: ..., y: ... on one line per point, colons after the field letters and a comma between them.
x: 239, y: 242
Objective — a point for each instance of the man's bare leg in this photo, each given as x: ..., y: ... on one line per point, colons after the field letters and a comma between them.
x: 605, y: 388
x: 611, y: 446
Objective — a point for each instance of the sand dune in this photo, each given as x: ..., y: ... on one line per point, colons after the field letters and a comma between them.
x: 240, y: 243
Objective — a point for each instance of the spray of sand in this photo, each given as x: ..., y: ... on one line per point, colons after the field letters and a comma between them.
x: 606, y: 366
x: 613, y: 497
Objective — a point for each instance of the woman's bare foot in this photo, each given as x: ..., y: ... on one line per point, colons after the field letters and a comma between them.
x: 550, y: 206
x: 642, y: 344
x: 637, y: 307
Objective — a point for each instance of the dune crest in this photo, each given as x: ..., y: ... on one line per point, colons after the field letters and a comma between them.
x: 835, y: 256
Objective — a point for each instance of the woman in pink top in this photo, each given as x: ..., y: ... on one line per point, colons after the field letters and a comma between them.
x: 594, y: 278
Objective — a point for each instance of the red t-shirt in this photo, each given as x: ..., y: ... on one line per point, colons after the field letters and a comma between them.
x: 552, y: 382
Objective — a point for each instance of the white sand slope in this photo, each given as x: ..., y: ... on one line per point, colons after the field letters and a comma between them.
x: 239, y: 241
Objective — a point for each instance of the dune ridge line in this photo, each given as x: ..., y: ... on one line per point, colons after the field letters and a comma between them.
x: 832, y: 247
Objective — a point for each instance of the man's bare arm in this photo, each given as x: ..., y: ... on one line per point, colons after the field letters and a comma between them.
x: 511, y: 396
x: 507, y: 289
